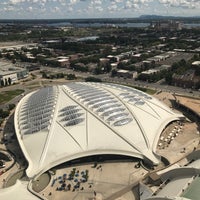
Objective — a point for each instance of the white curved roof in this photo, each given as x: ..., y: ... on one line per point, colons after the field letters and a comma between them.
x: 61, y: 123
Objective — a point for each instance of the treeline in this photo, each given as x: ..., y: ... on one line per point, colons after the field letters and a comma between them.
x: 5, y: 113
x: 179, y: 68
x: 5, y: 82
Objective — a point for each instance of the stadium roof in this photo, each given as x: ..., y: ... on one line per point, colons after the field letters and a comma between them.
x: 60, y: 123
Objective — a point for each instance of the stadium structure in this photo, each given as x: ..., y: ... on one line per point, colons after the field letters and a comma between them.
x: 65, y: 122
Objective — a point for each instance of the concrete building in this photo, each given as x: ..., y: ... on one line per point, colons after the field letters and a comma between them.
x: 196, y: 63
x: 180, y: 183
x: 63, y: 61
x: 126, y: 73
x: 170, y: 25
x: 187, y: 80
x: 9, y: 72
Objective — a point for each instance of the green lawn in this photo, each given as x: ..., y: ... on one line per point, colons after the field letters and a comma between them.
x: 146, y: 90
x: 6, y: 96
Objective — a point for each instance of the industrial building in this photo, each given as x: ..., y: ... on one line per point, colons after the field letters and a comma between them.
x: 10, y: 74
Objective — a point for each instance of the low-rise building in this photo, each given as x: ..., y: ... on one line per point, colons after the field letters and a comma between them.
x: 127, y: 74
x: 196, y: 63
x: 187, y: 80
x: 171, y: 25
x: 150, y: 72
x: 10, y: 74
x: 63, y: 61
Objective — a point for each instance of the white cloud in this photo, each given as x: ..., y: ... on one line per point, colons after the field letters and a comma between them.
x: 89, y: 8
x: 9, y: 8
x: 113, y: 7
x: 16, y: 1
x: 30, y: 9
x: 99, y: 8
x: 181, y: 3
x: 73, y: 2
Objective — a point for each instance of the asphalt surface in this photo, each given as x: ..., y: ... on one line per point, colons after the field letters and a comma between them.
x: 38, y: 82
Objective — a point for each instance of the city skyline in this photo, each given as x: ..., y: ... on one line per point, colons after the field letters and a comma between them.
x: 72, y: 9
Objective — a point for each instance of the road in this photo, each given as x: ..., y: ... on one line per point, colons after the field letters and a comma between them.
x: 39, y: 82
x: 155, y: 86
x: 106, y: 78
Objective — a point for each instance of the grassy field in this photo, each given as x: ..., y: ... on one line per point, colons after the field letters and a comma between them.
x: 147, y: 90
x: 8, y: 95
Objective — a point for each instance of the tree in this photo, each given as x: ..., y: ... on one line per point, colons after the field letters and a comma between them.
x: 114, y: 73
x: 98, y: 70
x: 92, y: 79
x: 2, y: 83
x: 44, y: 75
x: 71, y: 76
x: 107, y: 67
x: 168, y: 77
x: 11, y: 106
x: 6, y: 82
x: 9, y: 81
x: 4, y: 113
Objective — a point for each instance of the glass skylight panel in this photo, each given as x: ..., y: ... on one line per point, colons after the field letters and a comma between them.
x: 140, y: 103
x: 130, y: 96
x: 44, y: 126
x: 25, y: 132
x: 23, y: 122
x: 106, y: 107
x: 142, y: 94
x: 134, y: 99
x: 96, y: 97
x: 104, y: 103
x: 100, y: 99
x: 123, y: 122
x: 82, y: 94
x: 148, y: 97
x: 68, y: 112
x: 34, y: 130
x: 124, y: 94
x: 38, y: 109
x: 117, y: 86
x: 117, y: 116
x: 94, y: 94
x: 68, y: 108
x: 72, y: 116
x: 25, y: 127
x: 74, y: 122
x: 111, y: 111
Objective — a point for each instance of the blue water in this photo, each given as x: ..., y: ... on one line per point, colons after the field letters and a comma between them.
x: 136, y: 25
x: 128, y: 25
x: 195, y: 25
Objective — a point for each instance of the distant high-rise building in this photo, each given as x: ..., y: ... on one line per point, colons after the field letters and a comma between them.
x: 167, y: 25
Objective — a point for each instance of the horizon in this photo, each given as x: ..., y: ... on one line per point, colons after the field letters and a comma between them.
x: 142, y: 18
x: 87, y: 9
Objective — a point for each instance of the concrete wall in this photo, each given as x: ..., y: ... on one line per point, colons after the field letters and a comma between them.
x: 180, y: 172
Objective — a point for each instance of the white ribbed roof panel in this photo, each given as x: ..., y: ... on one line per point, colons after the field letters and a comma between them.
x: 58, y: 124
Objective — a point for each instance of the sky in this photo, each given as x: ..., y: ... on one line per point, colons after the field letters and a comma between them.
x: 73, y: 9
